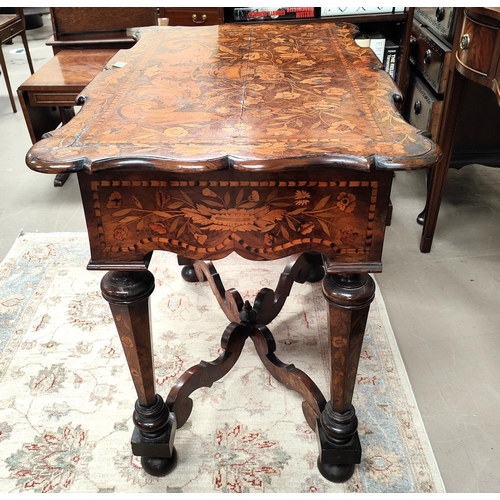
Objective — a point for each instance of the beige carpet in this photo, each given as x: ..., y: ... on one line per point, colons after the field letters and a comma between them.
x: 66, y: 397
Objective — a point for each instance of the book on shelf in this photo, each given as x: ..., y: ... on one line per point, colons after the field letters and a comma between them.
x: 385, y: 49
x: 363, y: 40
x: 271, y: 13
x: 391, y: 54
x: 377, y: 44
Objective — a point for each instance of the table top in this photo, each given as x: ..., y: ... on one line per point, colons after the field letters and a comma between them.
x: 251, y: 97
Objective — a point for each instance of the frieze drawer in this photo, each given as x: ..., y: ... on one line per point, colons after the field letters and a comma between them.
x: 423, y: 110
x: 431, y: 57
x: 440, y: 20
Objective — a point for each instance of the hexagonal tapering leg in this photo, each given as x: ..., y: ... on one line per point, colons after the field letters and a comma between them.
x: 349, y: 298
x: 128, y: 295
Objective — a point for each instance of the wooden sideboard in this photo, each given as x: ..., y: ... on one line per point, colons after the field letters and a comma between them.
x: 98, y: 27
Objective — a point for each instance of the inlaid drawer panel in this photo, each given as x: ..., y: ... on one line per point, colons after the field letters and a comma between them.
x: 431, y: 57
x: 423, y: 108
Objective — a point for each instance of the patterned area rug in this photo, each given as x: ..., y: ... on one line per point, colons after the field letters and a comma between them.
x: 67, y: 398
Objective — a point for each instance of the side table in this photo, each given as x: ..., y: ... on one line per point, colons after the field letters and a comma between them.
x: 48, y: 97
x: 268, y: 140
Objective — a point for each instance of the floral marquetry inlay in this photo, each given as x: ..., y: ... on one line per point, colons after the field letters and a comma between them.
x: 218, y: 217
x: 251, y: 97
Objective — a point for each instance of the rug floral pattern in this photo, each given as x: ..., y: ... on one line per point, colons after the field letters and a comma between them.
x: 67, y: 399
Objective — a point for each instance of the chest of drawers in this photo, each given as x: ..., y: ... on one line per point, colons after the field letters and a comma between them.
x: 461, y: 93
x: 430, y: 59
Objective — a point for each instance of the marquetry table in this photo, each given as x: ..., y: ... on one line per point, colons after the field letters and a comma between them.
x: 269, y: 140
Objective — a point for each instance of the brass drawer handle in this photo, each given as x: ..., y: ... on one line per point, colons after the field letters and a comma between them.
x: 203, y: 19
x: 465, y: 42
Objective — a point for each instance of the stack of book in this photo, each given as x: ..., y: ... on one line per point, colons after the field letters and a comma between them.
x: 269, y: 13
x: 385, y: 49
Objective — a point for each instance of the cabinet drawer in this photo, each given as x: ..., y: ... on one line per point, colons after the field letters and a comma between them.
x: 53, y: 99
x: 423, y: 109
x: 192, y: 16
x: 11, y: 30
x: 477, y: 46
x: 431, y: 57
x: 440, y: 20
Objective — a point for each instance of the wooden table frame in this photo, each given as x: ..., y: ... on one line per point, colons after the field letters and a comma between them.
x: 270, y: 141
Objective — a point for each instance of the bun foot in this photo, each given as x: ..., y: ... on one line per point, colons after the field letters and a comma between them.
x: 159, y: 466
x: 336, y: 473
x: 188, y: 273
x: 316, y: 274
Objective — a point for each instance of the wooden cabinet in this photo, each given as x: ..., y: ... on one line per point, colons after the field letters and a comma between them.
x: 435, y: 30
x: 429, y: 55
x: 466, y: 124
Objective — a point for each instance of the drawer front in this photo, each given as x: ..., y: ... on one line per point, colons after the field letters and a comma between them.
x: 440, y: 20
x: 11, y: 30
x: 431, y: 57
x: 477, y: 46
x: 192, y: 16
x: 351, y: 237
x: 53, y: 99
x: 423, y: 110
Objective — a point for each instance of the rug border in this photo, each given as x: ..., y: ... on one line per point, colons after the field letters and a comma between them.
x: 407, y: 388
x: 384, y: 318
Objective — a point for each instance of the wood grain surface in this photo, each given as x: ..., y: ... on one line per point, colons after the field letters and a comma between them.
x: 270, y: 96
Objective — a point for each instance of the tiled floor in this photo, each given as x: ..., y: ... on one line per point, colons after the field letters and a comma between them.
x: 444, y: 306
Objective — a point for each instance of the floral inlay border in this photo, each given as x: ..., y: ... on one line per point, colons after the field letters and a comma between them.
x: 209, y: 217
